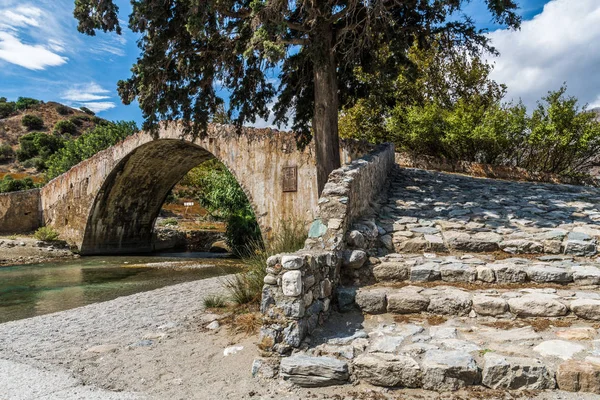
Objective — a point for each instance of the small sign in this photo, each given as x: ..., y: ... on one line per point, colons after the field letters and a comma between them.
x: 188, y: 203
x: 290, y: 179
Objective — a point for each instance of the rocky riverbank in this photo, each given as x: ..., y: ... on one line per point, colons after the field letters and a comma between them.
x: 25, y: 250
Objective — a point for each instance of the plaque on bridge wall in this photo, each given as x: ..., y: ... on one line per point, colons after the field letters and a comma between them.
x: 290, y: 179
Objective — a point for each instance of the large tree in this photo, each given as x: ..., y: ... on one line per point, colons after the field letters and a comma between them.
x: 191, y: 48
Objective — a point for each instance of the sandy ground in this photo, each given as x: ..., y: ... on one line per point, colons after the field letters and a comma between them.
x: 154, y: 345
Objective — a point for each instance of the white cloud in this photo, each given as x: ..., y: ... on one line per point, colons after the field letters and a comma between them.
x: 100, y: 106
x: 561, y: 44
x: 36, y: 54
x: 86, y: 95
x: 86, y: 92
x: 34, y: 57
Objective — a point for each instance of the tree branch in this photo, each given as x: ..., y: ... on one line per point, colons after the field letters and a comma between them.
x: 296, y: 27
x: 241, y: 14
x: 295, y: 41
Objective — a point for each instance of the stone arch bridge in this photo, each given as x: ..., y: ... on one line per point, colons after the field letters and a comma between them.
x: 109, y: 203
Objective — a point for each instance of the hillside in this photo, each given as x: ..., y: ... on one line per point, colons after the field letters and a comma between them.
x: 12, y: 129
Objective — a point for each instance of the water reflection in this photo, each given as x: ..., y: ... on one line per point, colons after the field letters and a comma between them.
x: 27, y: 291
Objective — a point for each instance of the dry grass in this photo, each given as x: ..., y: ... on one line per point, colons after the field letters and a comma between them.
x: 538, y: 324
x: 432, y: 320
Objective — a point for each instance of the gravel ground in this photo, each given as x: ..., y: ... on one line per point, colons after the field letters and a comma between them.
x: 154, y: 345
x: 23, y: 250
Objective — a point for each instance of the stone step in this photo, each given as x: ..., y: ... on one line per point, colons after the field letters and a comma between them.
x: 469, y: 268
x: 459, y: 353
x: 456, y: 301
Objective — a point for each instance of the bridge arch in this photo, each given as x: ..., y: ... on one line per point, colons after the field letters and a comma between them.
x: 108, y: 204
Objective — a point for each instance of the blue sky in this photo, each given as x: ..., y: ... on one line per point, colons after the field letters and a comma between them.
x: 43, y: 56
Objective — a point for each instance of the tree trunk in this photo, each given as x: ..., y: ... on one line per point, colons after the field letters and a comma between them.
x: 325, y: 119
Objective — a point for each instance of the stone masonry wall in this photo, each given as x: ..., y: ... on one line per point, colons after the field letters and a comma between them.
x: 298, y: 287
x: 20, y: 211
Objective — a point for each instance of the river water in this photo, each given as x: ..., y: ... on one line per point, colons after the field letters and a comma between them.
x: 37, y: 289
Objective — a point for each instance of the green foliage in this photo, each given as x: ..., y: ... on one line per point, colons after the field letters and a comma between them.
x: 6, y: 108
x: 169, y: 222
x: 214, y: 301
x: 65, y: 127
x: 25, y: 103
x: 79, y: 119
x: 46, y: 234
x: 63, y: 110
x: 217, y: 190
x: 87, y: 145
x: 38, y: 145
x: 32, y: 122
x: 10, y: 184
x: 6, y: 152
x: 87, y: 111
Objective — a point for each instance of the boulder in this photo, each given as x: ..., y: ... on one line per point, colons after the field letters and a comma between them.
x: 586, y: 308
x: 448, y: 301
x: 510, y: 373
x: 354, y: 259
x: 372, y: 301
x: 388, y: 370
x: 449, y: 370
x: 309, y: 371
x: 488, y: 305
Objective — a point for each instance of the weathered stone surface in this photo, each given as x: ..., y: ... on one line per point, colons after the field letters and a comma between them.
x: 510, y: 373
x: 356, y: 239
x: 545, y: 273
x: 457, y: 272
x: 586, y: 308
x: 508, y: 273
x: 578, y: 376
x: 291, y: 283
x: 345, y: 298
x: 386, y: 344
x: 415, y: 245
x: 354, y: 258
x: 425, y: 272
x: 537, y: 305
x: 558, y: 348
x: 307, y: 371
x: 388, y: 370
x: 371, y: 301
x: 391, y: 271
x: 485, y: 274
x: 448, y: 301
x: 449, y: 370
x: 19, y: 211
x: 488, y: 305
x: 582, y: 333
x: 406, y: 301
x: 521, y: 246
x: 580, y: 248
x: 292, y: 262
x: 586, y: 275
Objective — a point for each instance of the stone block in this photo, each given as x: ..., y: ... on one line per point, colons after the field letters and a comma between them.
x: 578, y: 376
x: 488, y: 305
x: 586, y: 275
x: 546, y: 274
x: 457, y: 272
x: 586, y: 308
x: 425, y: 272
x: 449, y: 370
x: 391, y: 271
x: 292, y: 262
x: 580, y: 248
x: 406, y: 301
x: 388, y: 370
x: 485, y: 274
x: 448, y: 301
x: 308, y: 371
x: 372, y: 301
x: 508, y: 273
x: 558, y: 348
x: 512, y: 373
x: 537, y: 305
x: 354, y: 259
x: 345, y: 298
x: 291, y: 283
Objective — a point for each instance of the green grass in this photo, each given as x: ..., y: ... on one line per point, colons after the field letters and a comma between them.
x: 46, y: 234
x: 214, y: 301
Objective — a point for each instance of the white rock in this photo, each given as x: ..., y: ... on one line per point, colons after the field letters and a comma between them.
x: 232, y: 350
x: 510, y: 373
x: 388, y: 370
x: 558, y: 348
x: 291, y: 283
x: 292, y: 262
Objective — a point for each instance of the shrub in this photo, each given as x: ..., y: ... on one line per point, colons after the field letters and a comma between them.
x: 9, y: 184
x: 87, y: 111
x: 169, y: 222
x: 24, y: 103
x: 6, y: 152
x: 46, y: 234
x: 32, y: 122
x: 38, y: 145
x: 88, y: 144
x: 6, y: 109
x: 63, y: 110
x: 214, y: 301
x: 65, y: 127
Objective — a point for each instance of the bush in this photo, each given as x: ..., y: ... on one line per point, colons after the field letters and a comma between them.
x: 65, y: 127
x: 46, y: 234
x: 32, y: 122
x: 6, y: 109
x: 6, y: 152
x: 24, y: 103
x: 63, y: 110
x: 38, y: 145
x: 169, y: 222
x: 87, y: 111
x: 9, y: 184
x: 88, y: 144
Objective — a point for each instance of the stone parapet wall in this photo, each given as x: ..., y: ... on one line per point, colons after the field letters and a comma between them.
x: 20, y: 211
x: 299, y: 287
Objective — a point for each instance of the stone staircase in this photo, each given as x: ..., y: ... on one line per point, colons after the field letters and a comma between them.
x: 460, y: 281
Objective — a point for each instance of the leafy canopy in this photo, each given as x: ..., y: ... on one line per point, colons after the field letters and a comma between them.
x: 192, y: 48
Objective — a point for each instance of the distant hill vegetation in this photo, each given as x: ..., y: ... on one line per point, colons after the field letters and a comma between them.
x: 39, y: 140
